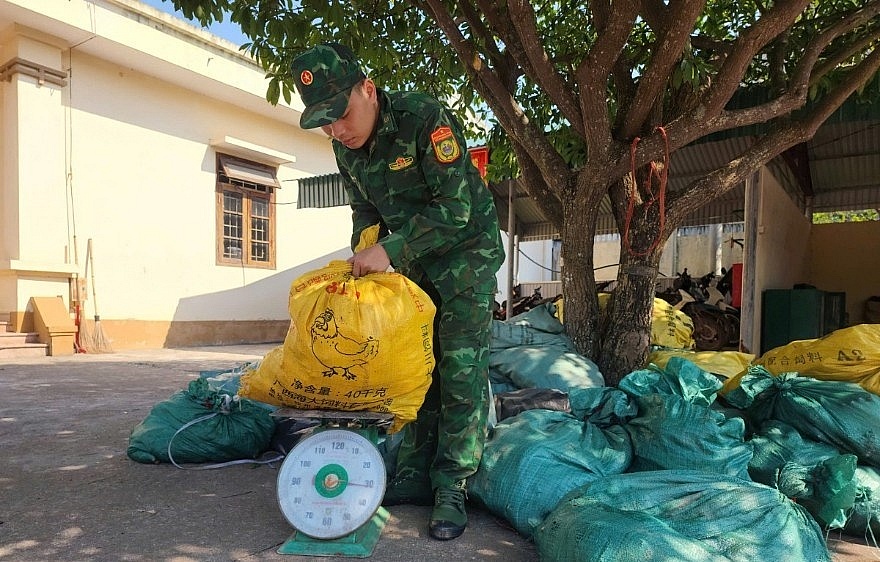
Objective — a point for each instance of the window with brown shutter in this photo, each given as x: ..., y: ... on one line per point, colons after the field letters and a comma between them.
x: 245, y: 212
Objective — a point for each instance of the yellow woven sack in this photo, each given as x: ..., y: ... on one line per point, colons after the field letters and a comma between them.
x: 669, y: 327
x: 724, y: 363
x: 362, y: 344
x: 849, y: 354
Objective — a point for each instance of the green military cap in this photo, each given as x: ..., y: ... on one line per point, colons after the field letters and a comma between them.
x: 324, y: 76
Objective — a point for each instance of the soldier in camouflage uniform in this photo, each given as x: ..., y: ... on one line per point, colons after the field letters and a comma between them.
x: 403, y: 160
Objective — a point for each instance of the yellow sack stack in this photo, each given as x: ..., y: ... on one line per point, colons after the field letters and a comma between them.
x: 362, y: 344
x: 726, y: 364
x: 849, y: 354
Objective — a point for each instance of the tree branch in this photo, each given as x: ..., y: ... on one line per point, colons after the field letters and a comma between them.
x: 780, y: 105
x: 672, y: 39
x: 656, y: 14
x: 546, y: 199
x: 481, y: 31
x: 777, y: 20
x: 776, y: 61
x: 708, y: 44
x: 507, y: 111
x: 842, y: 56
x: 855, y: 78
x: 500, y: 60
x: 804, y: 72
x: 792, y: 98
x: 774, y: 143
x: 795, y: 95
x: 613, y: 29
x: 621, y: 77
x: 538, y: 65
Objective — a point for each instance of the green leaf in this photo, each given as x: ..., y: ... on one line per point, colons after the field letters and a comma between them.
x: 273, y: 91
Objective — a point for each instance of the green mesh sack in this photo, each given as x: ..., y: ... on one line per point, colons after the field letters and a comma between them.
x: 827, y: 489
x: 863, y: 520
x: 678, y: 516
x: 680, y: 377
x: 671, y: 433
x: 841, y: 414
x: 604, y: 406
x: 537, y: 326
x: 531, y: 350
x: 608, y: 534
x: 812, y: 473
x: 777, y: 443
x: 676, y: 427
x: 534, y: 458
x: 220, y: 429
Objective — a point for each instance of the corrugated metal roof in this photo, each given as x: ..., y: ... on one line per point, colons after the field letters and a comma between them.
x: 317, y: 192
x: 845, y: 166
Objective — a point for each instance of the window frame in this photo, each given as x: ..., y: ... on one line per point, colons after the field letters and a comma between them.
x: 249, y: 191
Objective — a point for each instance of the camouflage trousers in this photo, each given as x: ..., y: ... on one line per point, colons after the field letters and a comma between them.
x: 445, y: 442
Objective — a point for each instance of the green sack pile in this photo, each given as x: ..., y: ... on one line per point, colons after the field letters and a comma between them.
x: 863, y: 520
x: 679, y: 516
x: 531, y: 350
x: 546, y: 453
x: 228, y: 429
x: 814, y: 474
x: 676, y: 427
x: 841, y: 414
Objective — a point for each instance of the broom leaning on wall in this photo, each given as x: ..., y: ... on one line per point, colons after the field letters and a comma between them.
x: 84, y: 335
x: 93, y: 341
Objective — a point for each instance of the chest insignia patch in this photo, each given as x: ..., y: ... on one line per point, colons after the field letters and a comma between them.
x: 446, y: 148
x: 401, y: 163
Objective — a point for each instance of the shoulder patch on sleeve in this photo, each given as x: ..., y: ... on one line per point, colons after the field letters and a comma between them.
x: 446, y: 148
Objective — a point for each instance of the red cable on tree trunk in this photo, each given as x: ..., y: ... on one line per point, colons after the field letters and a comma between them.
x: 662, y: 175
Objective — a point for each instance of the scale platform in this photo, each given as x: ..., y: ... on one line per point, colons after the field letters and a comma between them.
x: 331, y: 484
x: 357, y: 544
x: 337, y: 417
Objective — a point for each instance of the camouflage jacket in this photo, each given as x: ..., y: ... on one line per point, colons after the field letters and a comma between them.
x: 416, y: 179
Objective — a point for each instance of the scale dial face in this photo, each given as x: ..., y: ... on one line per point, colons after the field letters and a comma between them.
x: 331, y: 483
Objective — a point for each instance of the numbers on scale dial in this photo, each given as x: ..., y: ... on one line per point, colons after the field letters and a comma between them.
x: 333, y: 483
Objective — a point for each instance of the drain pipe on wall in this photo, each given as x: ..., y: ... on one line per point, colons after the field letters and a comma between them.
x: 512, y: 254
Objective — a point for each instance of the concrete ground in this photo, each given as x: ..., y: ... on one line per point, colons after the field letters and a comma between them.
x: 68, y: 492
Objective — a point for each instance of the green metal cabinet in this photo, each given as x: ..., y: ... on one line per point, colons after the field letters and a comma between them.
x: 799, y: 314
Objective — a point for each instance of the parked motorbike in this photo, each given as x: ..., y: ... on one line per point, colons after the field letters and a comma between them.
x: 721, y: 295
x: 716, y: 324
x: 521, y: 304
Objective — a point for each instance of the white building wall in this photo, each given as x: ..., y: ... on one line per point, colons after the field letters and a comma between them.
x: 32, y: 177
x: 123, y: 152
x: 781, y: 253
x: 39, y: 141
x: 700, y: 250
x: 144, y: 178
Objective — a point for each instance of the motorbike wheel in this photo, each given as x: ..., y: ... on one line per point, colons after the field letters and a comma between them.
x: 733, y: 329
x: 710, y: 330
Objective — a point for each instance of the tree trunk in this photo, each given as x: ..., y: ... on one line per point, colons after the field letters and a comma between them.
x: 581, y: 305
x: 626, y: 331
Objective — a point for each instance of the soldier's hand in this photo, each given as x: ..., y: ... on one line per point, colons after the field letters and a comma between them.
x: 371, y: 260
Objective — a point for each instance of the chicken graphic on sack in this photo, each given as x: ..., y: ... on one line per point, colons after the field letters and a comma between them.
x: 337, y: 352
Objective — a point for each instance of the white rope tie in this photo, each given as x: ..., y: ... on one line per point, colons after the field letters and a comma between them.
x: 225, y: 408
